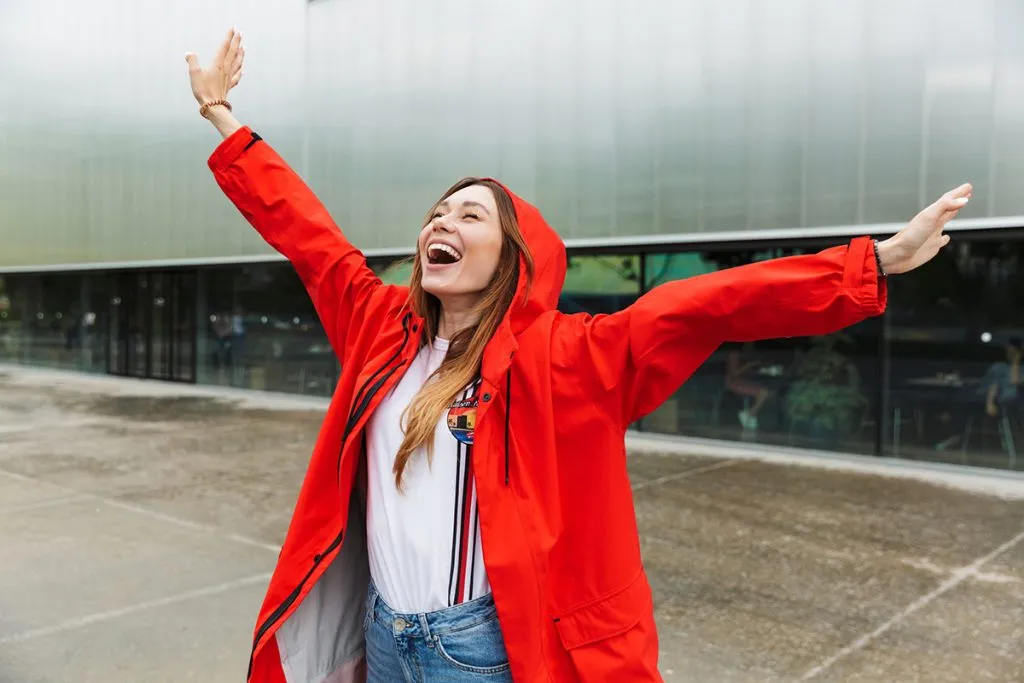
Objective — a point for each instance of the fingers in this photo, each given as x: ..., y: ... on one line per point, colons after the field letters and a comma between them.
x: 236, y: 78
x: 222, y: 51
x: 233, y: 49
x: 948, y: 205
x: 192, y: 61
x: 237, y: 65
x: 957, y: 198
x: 964, y: 190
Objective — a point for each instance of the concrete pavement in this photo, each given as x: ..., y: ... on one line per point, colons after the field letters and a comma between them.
x: 139, y: 523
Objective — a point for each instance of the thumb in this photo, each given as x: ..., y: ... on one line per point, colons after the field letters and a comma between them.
x: 192, y: 61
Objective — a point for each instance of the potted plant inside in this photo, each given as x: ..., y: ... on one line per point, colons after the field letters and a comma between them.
x: 825, y: 398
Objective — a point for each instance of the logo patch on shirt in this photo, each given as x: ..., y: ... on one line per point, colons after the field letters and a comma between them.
x: 462, y: 419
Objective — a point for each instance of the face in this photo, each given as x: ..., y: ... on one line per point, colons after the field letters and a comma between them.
x: 460, y: 246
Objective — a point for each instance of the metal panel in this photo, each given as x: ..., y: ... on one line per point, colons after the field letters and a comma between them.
x: 632, y: 121
x: 103, y: 154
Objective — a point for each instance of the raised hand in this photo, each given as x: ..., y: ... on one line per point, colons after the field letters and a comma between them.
x: 213, y: 83
x: 922, y: 238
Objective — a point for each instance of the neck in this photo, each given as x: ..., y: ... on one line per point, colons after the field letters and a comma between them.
x: 456, y: 318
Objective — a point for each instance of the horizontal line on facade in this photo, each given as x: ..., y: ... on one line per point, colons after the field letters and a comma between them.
x: 673, y: 242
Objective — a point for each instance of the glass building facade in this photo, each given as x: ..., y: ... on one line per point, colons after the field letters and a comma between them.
x: 934, y: 379
x: 660, y: 144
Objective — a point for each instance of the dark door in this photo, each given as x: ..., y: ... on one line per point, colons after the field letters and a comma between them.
x: 152, y: 326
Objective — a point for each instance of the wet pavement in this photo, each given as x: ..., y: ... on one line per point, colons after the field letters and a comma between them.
x: 139, y: 523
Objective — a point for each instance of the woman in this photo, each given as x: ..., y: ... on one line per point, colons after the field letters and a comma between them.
x: 467, y: 514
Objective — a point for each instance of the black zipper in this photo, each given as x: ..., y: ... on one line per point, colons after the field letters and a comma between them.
x: 353, y: 418
x: 292, y: 597
x: 508, y: 415
x: 405, y: 338
x: 362, y: 406
x: 359, y: 406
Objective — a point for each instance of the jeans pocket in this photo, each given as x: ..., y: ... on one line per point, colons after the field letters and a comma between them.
x: 479, y: 649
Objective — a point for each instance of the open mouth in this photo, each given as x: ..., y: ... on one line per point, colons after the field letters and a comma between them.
x: 439, y: 254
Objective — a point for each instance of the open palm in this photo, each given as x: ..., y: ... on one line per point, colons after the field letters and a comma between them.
x: 223, y: 74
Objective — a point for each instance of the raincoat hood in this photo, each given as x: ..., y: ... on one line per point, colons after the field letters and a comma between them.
x: 549, y: 266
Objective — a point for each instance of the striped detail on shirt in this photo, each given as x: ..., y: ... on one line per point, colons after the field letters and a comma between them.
x: 463, y: 573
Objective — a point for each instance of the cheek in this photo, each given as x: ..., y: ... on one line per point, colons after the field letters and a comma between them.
x: 488, y: 253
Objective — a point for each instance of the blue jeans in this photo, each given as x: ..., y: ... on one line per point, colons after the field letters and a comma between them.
x: 454, y: 645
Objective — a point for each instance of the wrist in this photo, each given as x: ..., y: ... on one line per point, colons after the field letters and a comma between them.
x: 209, y: 104
x: 890, y: 253
x: 223, y: 120
x: 215, y: 111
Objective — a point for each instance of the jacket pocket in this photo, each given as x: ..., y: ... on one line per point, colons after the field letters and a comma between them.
x: 607, y: 617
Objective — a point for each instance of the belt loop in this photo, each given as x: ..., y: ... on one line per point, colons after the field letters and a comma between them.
x: 425, y: 626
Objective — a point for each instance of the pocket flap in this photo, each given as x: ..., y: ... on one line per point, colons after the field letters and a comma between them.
x: 607, y: 617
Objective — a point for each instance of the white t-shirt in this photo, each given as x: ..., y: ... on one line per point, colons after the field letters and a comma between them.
x: 424, y: 543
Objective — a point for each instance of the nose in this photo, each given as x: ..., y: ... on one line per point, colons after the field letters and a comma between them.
x: 440, y: 225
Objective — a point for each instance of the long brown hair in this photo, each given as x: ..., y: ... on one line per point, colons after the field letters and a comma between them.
x: 461, y: 364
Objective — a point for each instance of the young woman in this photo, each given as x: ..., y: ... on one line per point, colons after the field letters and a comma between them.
x: 466, y: 514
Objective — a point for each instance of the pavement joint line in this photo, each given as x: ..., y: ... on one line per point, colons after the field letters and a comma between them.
x: 958, y: 576
x: 43, y: 504
x: 99, y: 617
x: 688, y: 473
x: 188, y: 524
x: 198, y: 526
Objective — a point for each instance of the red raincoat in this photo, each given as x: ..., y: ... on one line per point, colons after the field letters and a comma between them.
x: 560, y: 540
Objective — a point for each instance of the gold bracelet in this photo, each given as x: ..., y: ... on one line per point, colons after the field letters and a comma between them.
x: 204, y: 109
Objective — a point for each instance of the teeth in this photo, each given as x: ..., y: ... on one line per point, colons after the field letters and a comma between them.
x: 446, y: 249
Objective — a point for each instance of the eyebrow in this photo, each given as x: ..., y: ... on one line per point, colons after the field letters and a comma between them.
x: 465, y: 204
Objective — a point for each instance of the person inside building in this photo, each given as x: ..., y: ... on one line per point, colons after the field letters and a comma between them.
x: 1001, y: 383
x: 467, y: 513
x: 740, y: 364
x: 999, y: 394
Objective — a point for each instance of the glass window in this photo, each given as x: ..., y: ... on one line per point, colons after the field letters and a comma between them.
x: 95, y: 321
x: 818, y: 392
x: 394, y: 272
x: 42, y: 320
x: 11, y: 320
x: 260, y: 331
x: 955, y: 336
x: 600, y: 284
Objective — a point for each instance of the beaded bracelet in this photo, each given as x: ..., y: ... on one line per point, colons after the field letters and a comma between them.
x: 878, y: 259
x: 213, y: 103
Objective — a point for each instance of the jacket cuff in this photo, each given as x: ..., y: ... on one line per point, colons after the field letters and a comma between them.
x: 861, y: 276
x: 229, y: 150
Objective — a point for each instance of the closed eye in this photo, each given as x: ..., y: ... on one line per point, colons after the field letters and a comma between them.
x: 473, y: 216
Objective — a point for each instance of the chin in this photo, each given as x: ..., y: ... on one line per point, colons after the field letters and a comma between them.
x: 446, y: 289
x: 444, y: 281
x: 434, y: 290
x: 442, y: 290
x: 432, y: 284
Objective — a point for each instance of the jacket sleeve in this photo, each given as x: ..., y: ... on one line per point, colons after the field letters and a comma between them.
x: 641, y: 355
x: 292, y: 220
